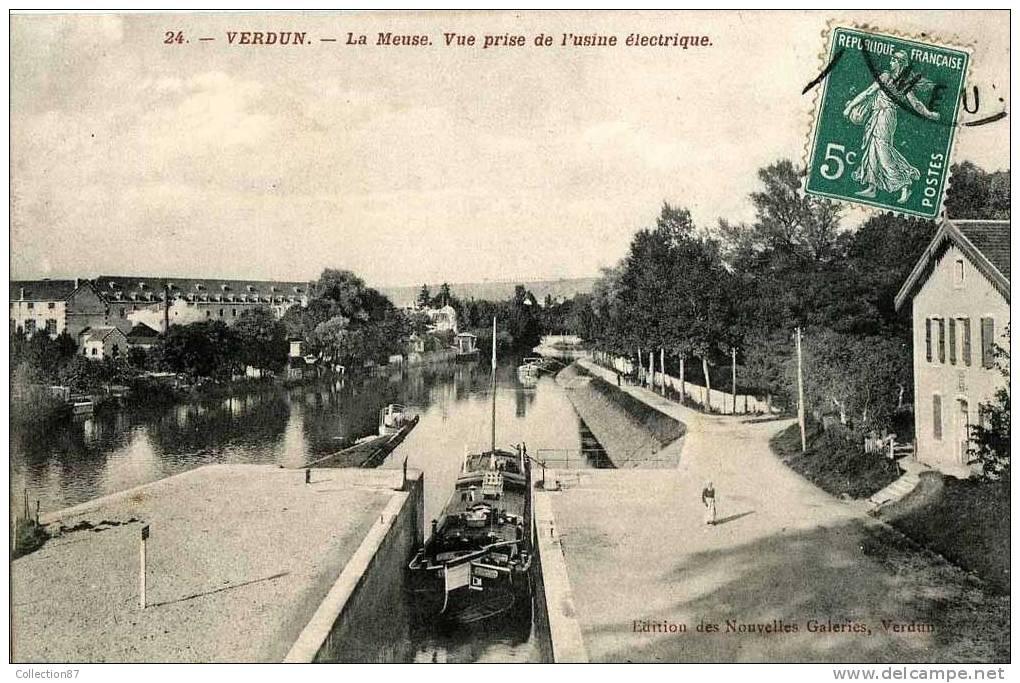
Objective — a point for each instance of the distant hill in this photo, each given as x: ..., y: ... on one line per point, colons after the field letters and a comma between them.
x: 494, y: 291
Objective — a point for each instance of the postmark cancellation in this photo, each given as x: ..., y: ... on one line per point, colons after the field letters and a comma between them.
x: 885, y: 121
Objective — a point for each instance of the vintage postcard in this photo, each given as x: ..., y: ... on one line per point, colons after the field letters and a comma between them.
x: 510, y: 336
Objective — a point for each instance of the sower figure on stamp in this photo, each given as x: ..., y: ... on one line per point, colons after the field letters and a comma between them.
x: 708, y: 500
x: 882, y: 166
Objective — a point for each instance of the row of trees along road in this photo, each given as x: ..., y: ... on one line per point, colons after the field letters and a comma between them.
x: 698, y: 292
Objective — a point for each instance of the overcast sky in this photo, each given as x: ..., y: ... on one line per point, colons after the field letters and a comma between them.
x: 407, y: 164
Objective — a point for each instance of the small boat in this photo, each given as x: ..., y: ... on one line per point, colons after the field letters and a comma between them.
x: 534, y: 366
x: 393, y: 418
x: 476, y: 563
x: 395, y: 423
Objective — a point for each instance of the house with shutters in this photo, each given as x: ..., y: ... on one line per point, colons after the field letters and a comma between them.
x: 54, y: 306
x: 959, y: 297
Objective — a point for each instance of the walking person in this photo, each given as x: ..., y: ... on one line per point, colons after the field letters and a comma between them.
x: 708, y: 500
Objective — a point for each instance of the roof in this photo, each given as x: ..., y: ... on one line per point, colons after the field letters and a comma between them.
x: 985, y: 243
x: 991, y: 239
x: 42, y: 290
x: 151, y: 288
x: 99, y: 334
x: 142, y: 331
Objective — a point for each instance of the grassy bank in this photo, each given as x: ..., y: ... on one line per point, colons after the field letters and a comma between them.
x: 833, y: 463
x: 965, y: 521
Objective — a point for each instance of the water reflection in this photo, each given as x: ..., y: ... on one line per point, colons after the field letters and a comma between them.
x: 83, y: 458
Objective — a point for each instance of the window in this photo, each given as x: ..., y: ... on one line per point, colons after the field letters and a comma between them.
x: 936, y: 417
x: 208, y: 314
x: 952, y: 341
x: 123, y: 311
x: 233, y: 312
x: 93, y: 350
x: 987, y: 342
x: 30, y: 327
x: 31, y: 305
x: 221, y: 312
x: 115, y: 351
x: 942, y: 340
x: 51, y: 305
x: 51, y: 326
x: 958, y: 273
x: 927, y: 338
x: 965, y: 346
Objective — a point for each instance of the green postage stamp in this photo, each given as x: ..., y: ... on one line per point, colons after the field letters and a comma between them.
x: 884, y: 126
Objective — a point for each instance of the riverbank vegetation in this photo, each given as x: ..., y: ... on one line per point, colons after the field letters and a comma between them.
x: 700, y: 291
x: 834, y: 461
x: 346, y: 326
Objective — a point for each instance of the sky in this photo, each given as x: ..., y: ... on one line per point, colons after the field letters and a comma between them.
x: 409, y: 164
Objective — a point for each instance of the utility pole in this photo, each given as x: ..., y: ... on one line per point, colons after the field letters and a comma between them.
x: 166, y: 308
x: 141, y: 567
x: 800, y: 396
x: 733, y: 365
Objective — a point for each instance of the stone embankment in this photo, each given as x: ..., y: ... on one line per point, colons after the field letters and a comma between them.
x: 632, y: 433
x: 244, y: 563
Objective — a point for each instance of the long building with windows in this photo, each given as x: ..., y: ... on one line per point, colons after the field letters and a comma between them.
x: 959, y: 292
x: 156, y: 301
x: 56, y: 306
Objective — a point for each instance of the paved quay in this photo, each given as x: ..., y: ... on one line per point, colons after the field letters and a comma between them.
x: 239, y: 559
x: 641, y: 562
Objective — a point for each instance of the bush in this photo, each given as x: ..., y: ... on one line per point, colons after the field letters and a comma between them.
x: 835, y: 462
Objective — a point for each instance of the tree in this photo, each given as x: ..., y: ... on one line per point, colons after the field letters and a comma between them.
x: 791, y: 221
x: 444, y: 297
x: 424, y: 297
x: 863, y: 378
x: 203, y: 349
x: 523, y: 318
x: 990, y: 437
x: 975, y: 193
x: 262, y: 339
x: 879, y: 259
x: 766, y: 355
x: 338, y: 340
x: 88, y: 376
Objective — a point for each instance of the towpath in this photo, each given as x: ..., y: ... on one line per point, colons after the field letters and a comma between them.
x: 788, y: 574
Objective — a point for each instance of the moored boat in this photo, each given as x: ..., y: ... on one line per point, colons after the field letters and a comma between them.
x: 393, y: 418
x: 476, y: 562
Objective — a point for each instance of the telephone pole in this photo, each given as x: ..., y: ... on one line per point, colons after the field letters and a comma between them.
x: 800, y: 396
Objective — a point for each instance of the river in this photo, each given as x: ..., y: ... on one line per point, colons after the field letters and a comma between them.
x: 82, y: 458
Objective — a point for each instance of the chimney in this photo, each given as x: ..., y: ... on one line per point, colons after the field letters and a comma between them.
x: 22, y: 293
x: 76, y: 283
